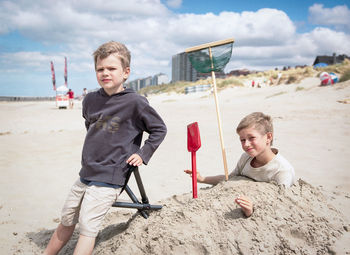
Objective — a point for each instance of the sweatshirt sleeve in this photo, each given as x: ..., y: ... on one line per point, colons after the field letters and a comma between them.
x: 153, y: 124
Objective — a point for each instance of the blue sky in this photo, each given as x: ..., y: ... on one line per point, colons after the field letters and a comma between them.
x: 267, y: 34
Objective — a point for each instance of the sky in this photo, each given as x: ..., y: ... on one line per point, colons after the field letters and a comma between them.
x: 267, y: 34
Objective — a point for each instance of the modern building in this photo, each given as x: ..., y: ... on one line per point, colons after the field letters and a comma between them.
x: 182, y: 69
x: 135, y: 84
x: 157, y: 79
x: 145, y: 82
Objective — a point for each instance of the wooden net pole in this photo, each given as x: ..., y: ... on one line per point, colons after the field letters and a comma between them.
x: 218, y: 115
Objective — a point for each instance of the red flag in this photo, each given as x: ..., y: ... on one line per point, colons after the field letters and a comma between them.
x: 65, y: 72
x: 53, y: 76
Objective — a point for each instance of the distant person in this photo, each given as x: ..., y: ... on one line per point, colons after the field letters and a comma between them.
x: 279, y: 76
x: 115, y: 119
x: 70, y: 94
x: 85, y: 92
x: 259, y: 161
x: 83, y: 95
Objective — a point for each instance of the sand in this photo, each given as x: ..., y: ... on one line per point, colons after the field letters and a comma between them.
x: 40, y: 158
x: 288, y: 221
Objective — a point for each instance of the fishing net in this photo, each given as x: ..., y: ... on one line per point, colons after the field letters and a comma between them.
x: 202, y: 62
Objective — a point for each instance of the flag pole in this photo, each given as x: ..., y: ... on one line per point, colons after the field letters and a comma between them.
x: 218, y: 115
x: 65, y: 72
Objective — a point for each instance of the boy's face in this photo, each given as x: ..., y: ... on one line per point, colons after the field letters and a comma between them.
x: 254, y: 142
x: 110, y: 74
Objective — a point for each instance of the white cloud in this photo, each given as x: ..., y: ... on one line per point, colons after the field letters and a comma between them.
x: 327, y: 41
x: 299, y: 50
x: 121, y: 8
x: 338, y: 16
x: 24, y: 61
x: 263, y: 39
x: 264, y: 27
x: 174, y: 3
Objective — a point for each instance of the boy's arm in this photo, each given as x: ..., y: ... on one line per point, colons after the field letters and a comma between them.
x: 213, y: 180
x: 153, y: 124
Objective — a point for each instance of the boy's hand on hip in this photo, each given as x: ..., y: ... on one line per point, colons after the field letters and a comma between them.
x: 246, y: 204
x: 135, y: 160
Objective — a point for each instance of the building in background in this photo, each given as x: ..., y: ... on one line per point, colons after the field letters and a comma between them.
x: 145, y: 82
x: 181, y: 68
x: 135, y: 84
x: 157, y: 79
x: 330, y: 60
x: 239, y: 72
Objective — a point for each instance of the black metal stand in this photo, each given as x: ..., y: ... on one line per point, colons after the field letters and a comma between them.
x: 141, y: 207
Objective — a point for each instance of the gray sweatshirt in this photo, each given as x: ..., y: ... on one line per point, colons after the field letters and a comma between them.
x: 115, y: 125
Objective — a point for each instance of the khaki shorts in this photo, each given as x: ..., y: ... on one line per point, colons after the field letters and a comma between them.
x: 87, y: 205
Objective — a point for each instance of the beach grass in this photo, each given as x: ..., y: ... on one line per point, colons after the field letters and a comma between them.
x: 345, y: 76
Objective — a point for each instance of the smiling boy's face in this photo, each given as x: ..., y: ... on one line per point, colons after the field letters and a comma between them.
x: 254, y: 142
x: 110, y: 74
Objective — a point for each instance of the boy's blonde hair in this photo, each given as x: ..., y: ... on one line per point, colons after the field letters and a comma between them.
x: 113, y: 47
x: 258, y: 120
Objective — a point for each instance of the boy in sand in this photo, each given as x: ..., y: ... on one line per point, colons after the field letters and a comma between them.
x: 259, y: 161
x: 115, y: 119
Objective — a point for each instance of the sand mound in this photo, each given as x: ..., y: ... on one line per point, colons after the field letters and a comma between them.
x: 286, y: 221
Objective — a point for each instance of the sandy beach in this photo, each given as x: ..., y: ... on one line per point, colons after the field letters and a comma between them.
x: 40, y: 152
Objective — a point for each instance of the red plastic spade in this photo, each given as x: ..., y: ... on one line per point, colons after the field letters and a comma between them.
x: 193, y: 144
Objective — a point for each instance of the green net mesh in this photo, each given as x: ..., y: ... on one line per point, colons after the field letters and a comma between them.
x: 201, y: 61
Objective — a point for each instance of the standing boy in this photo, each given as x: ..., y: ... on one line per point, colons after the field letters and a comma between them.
x: 259, y: 161
x: 115, y: 118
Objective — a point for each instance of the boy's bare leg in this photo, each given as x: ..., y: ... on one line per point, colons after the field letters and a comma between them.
x: 85, y: 245
x: 59, y: 238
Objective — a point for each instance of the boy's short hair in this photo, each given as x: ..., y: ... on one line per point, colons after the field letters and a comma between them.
x: 113, y: 47
x: 258, y: 120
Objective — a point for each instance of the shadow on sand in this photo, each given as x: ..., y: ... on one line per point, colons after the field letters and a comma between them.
x: 42, y: 238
